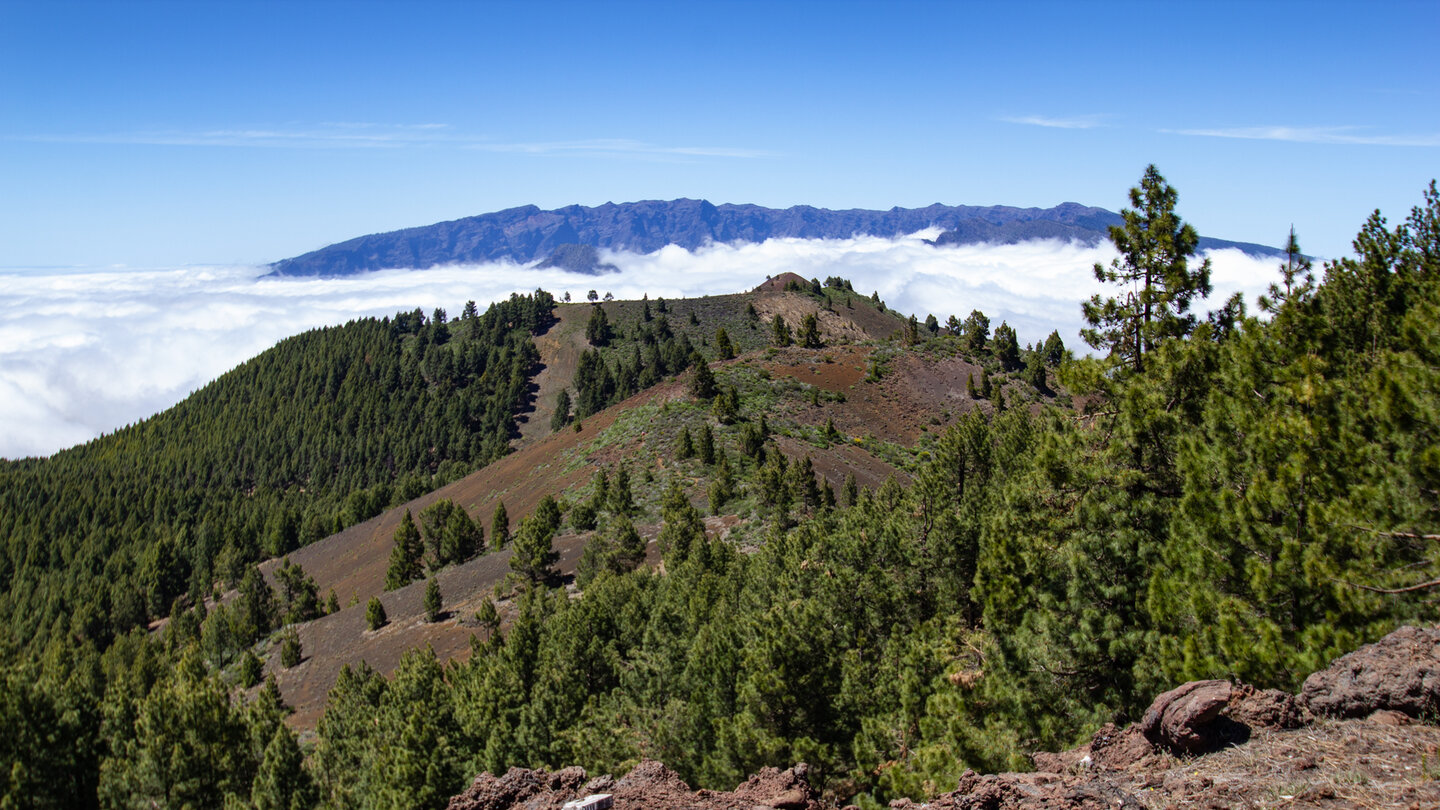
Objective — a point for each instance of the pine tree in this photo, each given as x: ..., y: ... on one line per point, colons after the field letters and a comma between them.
x: 562, y: 411
x: 434, y: 603
x: 257, y: 611
x: 803, y: 486
x: 702, y: 383
x: 282, y: 783
x: 705, y: 447
x: 433, y: 519
x: 488, y: 617
x: 1296, y: 278
x: 621, y: 500
x: 684, y: 446
x: 726, y: 408
x: 290, y: 652
x: 534, y: 556
x: 463, y: 538
x: 250, y: 670
x: 1035, y: 371
x: 810, y: 333
x: 1006, y: 347
x: 912, y: 331
x: 406, y: 556
x: 298, y: 600
x: 375, y: 617
x: 628, y: 544
x: 724, y: 349
x: 985, y: 386
x: 977, y: 332
x: 1155, y: 247
x: 500, y: 527
x: 682, y: 526
x: 850, y: 490
x: 1054, y: 349
x: 779, y: 332
x: 597, y: 330
x: 182, y: 745
x: 970, y: 386
x: 722, y: 485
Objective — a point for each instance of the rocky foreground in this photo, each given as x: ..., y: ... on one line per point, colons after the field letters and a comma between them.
x: 1352, y: 737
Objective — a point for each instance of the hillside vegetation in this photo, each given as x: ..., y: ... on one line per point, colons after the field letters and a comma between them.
x: 1049, y: 541
x: 326, y: 429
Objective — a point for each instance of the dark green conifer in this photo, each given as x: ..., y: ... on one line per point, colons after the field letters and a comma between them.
x: 726, y: 408
x: 434, y: 603
x: 705, y: 447
x: 405, y: 557
x: 1153, y: 272
x: 1006, y: 347
x: 282, y: 783
x: 724, y: 349
x: 779, y: 332
x: 702, y: 382
x: 977, y: 332
x: 597, y: 330
x: 250, y: 670
x: 722, y: 485
x: 290, y: 652
x: 375, y: 617
x: 810, y: 333
x: 500, y: 527
x: 621, y: 499
x: 562, y: 411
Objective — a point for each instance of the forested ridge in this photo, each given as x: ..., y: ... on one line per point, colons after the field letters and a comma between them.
x: 1234, y: 496
x: 325, y: 429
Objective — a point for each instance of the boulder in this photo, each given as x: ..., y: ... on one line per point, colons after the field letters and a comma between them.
x: 1184, y: 720
x: 787, y: 789
x: 1265, y: 708
x: 1400, y: 672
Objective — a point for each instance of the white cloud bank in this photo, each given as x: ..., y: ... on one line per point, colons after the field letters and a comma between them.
x: 85, y: 352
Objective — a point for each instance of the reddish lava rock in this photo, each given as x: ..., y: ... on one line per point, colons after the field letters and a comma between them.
x: 1182, y: 719
x: 649, y: 785
x: 1400, y: 672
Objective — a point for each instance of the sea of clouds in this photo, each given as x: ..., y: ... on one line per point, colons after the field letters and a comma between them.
x: 84, y: 352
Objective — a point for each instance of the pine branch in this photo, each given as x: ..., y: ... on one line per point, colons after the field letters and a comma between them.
x: 1407, y: 589
x: 1405, y: 535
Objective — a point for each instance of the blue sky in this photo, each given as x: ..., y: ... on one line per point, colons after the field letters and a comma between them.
x: 161, y: 134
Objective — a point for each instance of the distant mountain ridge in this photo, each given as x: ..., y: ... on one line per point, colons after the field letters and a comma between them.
x: 568, y: 237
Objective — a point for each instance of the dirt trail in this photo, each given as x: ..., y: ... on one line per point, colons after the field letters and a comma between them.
x: 560, y: 349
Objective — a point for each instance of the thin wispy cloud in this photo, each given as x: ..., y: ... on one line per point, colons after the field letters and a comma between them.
x: 1072, y: 122
x: 346, y: 135
x: 620, y: 147
x: 366, y: 135
x: 1343, y: 136
x: 148, y: 338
